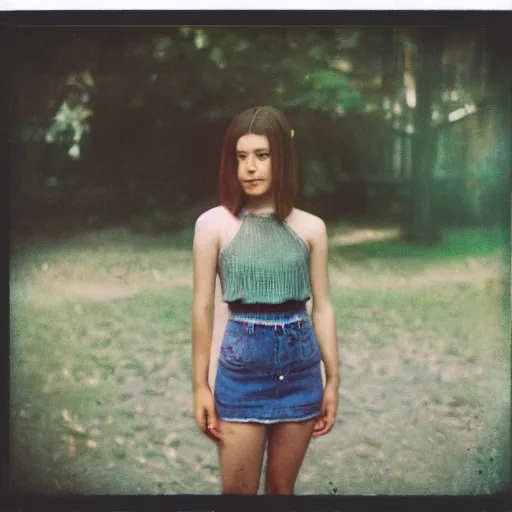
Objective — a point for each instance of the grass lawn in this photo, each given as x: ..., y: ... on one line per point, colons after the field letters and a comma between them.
x: 101, y: 370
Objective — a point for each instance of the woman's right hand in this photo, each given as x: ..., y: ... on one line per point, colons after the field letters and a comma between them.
x: 205, y: 413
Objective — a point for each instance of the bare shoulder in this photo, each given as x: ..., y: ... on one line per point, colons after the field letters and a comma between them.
x: 311, y: 225
x: 207, y: 226
x: 211, y: 218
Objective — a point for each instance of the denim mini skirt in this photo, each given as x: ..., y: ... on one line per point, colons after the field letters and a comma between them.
x: 269, y: 369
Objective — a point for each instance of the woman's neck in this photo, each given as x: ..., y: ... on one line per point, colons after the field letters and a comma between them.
x: 255, y: 206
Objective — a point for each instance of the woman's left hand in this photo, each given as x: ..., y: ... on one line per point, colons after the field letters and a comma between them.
x: 327, y: 416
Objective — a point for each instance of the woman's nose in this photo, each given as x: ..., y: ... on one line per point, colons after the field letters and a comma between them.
x: 251, y: 165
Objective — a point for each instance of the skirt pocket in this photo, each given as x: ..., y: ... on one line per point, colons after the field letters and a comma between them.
x: 236, y: 346
x: 308, y: 342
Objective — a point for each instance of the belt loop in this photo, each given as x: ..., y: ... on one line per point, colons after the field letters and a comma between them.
x: 251, y: 328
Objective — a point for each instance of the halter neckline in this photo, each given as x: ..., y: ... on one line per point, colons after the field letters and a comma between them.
x: 244, y: 213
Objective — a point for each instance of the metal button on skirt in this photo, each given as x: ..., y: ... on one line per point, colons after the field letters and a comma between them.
x: 269, y: 369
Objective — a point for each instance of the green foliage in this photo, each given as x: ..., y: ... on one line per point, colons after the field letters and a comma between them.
x: 324, y: 89
x: 215, y: 71
x: 69, y: 125
x: 315, y: 180
x: 114, y: 100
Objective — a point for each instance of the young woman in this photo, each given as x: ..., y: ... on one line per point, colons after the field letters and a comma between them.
x: 271, y: 258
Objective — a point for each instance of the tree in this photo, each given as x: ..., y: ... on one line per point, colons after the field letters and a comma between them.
x: 149, y: 82
x: 421, y: 224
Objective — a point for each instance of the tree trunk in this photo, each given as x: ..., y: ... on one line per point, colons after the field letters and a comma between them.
x: 500, y: 83
x: 422, y: 225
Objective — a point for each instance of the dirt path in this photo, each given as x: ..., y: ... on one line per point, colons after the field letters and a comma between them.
x: 103, y: 371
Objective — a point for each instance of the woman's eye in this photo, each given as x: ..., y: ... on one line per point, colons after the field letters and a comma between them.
x: 262, y: 156
x: 241, y: 157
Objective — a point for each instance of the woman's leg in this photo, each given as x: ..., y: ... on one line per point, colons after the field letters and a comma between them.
x: 241, y: 456
x: 287, y: 445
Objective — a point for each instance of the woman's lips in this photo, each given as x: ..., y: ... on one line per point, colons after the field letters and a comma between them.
x: 252, y: 182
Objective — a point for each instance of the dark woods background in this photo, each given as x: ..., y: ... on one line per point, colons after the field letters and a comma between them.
x: 124, y: 125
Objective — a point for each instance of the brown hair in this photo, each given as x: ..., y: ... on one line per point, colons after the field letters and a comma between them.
x: 272, y: 123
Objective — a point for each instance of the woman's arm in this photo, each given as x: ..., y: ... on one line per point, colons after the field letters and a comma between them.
x: 205, y: 253
x: 220, y: 321
x: 322, y: 312
x: 324, y: 324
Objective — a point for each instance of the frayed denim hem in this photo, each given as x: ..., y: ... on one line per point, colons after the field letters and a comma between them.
x: 270, y: 421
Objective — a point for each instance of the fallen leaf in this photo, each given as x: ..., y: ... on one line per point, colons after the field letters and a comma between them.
x: 95, y: 432
x: 140, y: 459
x: 79, y: 429
x: 70, y: 446
x: 92, y: 444
x: 119, y: 440
x: 66, y: 416
x: 363, y: 450
x: 181, y: 336
x: 306, y: 477
x: 170, y: 454
x: 92, y: 381
x: 139, y: 409
x: 211, y: 479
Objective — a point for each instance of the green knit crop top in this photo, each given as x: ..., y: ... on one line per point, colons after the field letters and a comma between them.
x: 267, y: 262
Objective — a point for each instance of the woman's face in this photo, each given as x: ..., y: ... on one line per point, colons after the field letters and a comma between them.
x: 254, y: 167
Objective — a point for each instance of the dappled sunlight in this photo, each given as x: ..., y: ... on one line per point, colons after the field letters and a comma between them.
x: 357, y: 236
